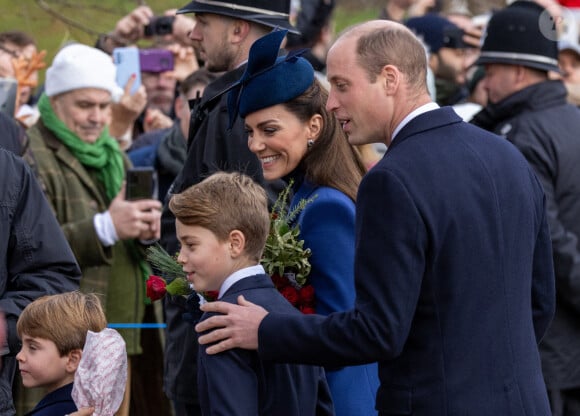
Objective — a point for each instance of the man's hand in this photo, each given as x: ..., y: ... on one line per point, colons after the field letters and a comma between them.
x: 131, y: 27
x: 236, y: 328
x: 182, y: 27
x: 156, y: 120
x: 127, y: 110
x: 472, y: 36
x: 185, y: 61
x: 136, y: 219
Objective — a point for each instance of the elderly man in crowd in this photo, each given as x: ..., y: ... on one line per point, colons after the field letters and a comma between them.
x: 82, y: 171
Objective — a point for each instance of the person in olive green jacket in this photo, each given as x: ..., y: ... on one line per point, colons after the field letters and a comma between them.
x: 82, y: 170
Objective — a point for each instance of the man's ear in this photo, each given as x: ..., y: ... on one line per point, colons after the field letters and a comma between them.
x: 74, y: 358
x: 237, y: 241
x: 239, y: 30
x: 392, y: 79
x: 434, y: 62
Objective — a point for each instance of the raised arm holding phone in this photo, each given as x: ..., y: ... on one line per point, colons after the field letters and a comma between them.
x: 83, y: 170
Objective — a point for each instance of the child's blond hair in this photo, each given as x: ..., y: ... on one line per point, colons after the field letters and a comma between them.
x: 63, y: 319
x: 224, y: 202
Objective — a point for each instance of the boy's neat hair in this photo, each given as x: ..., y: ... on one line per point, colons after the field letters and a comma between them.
x: 63, y: 319
x: 224, y: 202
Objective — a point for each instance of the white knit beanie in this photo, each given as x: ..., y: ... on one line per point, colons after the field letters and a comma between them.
x: 80, y: 66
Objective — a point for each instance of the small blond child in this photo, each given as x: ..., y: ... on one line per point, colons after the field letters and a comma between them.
x: 53, y: 330
x: 222, y: 224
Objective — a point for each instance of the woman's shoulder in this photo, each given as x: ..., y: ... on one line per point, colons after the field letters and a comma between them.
x: 323, y: 195
x: 328, y: 204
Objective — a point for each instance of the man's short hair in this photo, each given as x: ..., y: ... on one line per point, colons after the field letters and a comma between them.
x: 16, y: 37
x: 393, y: 45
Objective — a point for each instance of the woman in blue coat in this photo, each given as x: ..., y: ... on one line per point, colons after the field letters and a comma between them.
x: 295, y: 138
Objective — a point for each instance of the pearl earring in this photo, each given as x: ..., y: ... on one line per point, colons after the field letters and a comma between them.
x: 310, y: 143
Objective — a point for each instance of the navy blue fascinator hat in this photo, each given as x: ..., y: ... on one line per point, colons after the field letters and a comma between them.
x: 269, y: 79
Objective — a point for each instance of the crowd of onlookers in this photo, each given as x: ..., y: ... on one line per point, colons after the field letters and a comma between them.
x: 67, y: 224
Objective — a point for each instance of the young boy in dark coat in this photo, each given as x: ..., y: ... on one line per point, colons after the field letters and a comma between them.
x: 222, y: 224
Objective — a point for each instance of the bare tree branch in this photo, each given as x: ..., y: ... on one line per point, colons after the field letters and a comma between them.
x: 42, y: 4
x: 82, y: 6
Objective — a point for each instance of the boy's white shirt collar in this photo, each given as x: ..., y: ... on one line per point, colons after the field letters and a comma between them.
x: 239, y: 275
x: 416, y: 112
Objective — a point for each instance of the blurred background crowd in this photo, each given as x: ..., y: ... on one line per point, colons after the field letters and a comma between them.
x: 151, y: 123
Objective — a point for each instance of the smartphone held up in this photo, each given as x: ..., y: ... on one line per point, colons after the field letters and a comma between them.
x: 126, y: 60
x: 141, y: 183
x: 8, y: 96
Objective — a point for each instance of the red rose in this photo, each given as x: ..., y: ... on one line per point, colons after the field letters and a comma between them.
x: 307, y: 294
x: 279, y: 281
x: 155, y: 287
x: 307, y: 310
x: 211, y: 295
x: 290, y: 294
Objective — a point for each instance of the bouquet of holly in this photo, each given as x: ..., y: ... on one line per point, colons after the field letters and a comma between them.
x: 285, y: 259
x: 174, y: 281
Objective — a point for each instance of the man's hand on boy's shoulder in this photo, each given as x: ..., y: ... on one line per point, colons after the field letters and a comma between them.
x: 235, y: 327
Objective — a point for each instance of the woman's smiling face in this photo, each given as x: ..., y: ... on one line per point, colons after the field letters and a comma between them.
x: 279, y: 139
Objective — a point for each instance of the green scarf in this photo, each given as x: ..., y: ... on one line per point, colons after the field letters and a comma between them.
x: 104, y: 154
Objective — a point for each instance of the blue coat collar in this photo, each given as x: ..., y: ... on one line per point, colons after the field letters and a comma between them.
x: 426, y: 121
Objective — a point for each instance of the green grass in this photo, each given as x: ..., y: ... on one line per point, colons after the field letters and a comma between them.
x: 89, y: 17
x: 345, y: 17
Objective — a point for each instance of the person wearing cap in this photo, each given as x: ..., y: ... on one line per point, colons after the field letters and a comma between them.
x: 82, y: 171
x: 223, y: 34
x: 447, y: 57
x: 296, y: 138
x: 531, y: 112
x: 453, y: 267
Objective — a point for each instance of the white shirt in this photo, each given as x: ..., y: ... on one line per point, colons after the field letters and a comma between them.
x: 239, y: 275
x: 416, y: 112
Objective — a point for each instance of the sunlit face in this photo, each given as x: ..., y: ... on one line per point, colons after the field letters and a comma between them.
x: 279, y: 139
x: 499, y: 81
x: 211, y: 35
x: 41, y: 365
x: 569, y: 62
x: 160, y: 89
x: 356, y: 102
x: 206, y: 260
x: 86, y: 111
